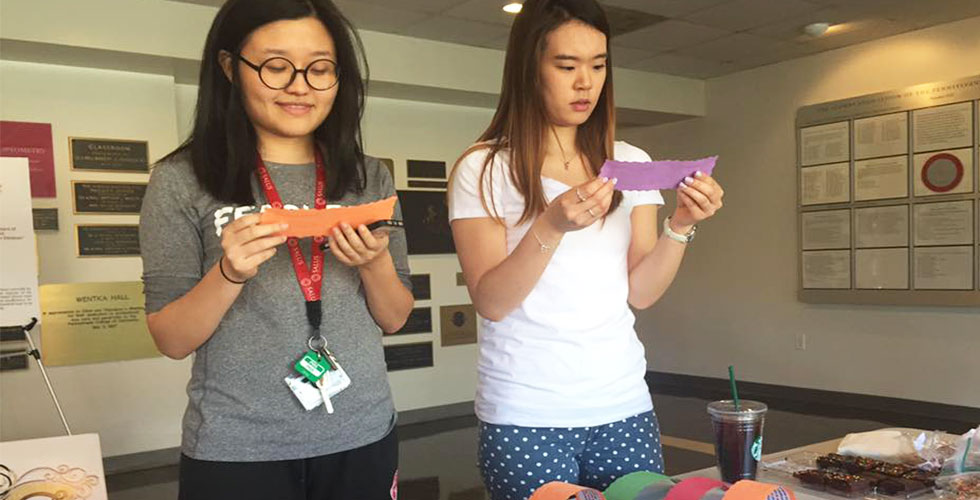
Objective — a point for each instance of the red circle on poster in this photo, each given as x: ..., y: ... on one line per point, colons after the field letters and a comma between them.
x: 938, y: 165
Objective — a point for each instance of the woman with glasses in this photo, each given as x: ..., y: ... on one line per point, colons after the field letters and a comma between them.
x: 288, y: 396
x: 554, y: 256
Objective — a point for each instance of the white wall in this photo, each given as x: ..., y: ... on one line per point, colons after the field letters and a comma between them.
x: 133, y: 405
x: 402, y: 130
x: 164, y: 36
x: 734, y: 301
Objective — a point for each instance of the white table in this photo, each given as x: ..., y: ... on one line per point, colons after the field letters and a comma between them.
x: 801, y: 492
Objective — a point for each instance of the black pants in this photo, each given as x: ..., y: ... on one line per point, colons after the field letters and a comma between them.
x: 366, y: 473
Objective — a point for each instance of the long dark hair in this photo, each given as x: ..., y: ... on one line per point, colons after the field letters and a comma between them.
x: 223, y: 144
x: 521, y: 121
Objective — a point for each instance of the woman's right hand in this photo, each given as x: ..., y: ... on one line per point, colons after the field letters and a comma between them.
x: 247, y: 244
x: 579, y: 207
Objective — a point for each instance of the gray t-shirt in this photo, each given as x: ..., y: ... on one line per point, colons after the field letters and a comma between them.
x: 240, y: 408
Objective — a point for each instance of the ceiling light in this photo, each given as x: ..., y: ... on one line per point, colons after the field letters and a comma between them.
x: 837, y: 28
x: 816, y: 29
x: 513, y: 7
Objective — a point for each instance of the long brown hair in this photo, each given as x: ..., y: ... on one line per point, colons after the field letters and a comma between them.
x: 521, y: 121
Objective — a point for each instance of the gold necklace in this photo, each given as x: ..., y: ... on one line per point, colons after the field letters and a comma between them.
x: 560, y: 148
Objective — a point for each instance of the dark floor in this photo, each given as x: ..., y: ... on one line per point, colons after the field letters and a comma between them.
x: 438, y: 459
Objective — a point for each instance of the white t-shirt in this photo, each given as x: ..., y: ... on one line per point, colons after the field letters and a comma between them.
x: 568, y: 356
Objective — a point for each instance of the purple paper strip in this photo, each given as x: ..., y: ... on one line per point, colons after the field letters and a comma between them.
x: 650, y: 175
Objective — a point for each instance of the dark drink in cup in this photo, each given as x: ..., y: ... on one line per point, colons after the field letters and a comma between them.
x: 738, y: 438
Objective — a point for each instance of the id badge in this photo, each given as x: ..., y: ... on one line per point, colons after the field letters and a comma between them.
x: 308, y: 393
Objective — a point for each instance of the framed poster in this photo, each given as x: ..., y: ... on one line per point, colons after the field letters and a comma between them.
x: 827, y: 230
x: 426, y: 217
x: 827, y: 269
x: 949, y: 223
x: 109, y: 155
x: 903, y: 163
x: 419, y: 321
x: 881, y: 269
x: 878, y: 136
x: 408, y: 356
x: 881, y: 178
x: 45, y: 219
x: 458, y: 324
x: 822, y: 144
x: 421, y: 287
x: 94, y: 323
x: 32, y: 141
x: 943, y: 172
x: 944, y: 268
x: 882, y: 227
x: 426, y: 169
x: 107, y: 240
x: 943, y: 127
x: 107, y: 197
x: 826, y: 184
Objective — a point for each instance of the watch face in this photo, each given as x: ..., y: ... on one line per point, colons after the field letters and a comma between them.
x: 683, y: 238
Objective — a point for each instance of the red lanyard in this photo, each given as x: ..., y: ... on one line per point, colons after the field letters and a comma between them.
x: 310, y: 278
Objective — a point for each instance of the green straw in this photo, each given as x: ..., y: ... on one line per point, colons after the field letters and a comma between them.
x: 731, y: 378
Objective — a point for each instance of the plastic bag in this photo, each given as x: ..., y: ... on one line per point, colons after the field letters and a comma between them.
x: 889, y: 445
x: 934, y: 448
x: 960, y: 476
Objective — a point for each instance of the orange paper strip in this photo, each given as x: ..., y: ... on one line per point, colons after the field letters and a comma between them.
x: 563, y: 491
x: 306, y: 223
x: 754, y: 490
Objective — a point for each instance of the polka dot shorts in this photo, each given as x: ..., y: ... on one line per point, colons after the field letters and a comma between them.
x: 515, y: 460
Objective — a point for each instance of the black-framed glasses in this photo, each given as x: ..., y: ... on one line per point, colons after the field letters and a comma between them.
x: 279, y: 73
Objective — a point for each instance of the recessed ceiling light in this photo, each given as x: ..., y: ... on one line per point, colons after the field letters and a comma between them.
x: 513, y: 7
x: 816, y: 29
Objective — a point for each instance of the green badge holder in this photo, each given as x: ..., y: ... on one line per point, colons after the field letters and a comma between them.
x: 312, y: 366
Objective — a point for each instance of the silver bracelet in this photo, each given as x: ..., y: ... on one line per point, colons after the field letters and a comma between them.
x: 682, y: 238
x: 544, y: 248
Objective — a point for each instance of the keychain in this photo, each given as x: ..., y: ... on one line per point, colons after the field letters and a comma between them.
x: 320, y: 376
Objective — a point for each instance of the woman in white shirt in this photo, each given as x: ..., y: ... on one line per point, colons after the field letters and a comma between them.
x: 554, y: 256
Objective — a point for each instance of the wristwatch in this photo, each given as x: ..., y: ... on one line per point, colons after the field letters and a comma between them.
x: 683, y: 238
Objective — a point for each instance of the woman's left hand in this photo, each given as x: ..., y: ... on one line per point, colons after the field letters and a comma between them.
x: 357, y: 248
x: 698, y: 198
